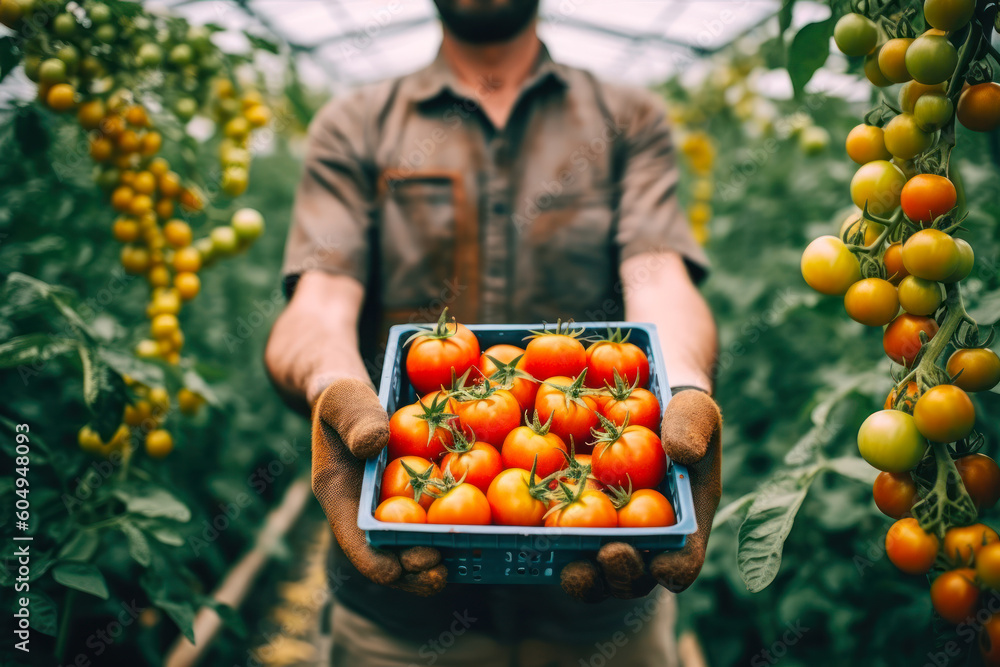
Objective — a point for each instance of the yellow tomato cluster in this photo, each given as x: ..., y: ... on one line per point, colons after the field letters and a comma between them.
x: 699, y: 151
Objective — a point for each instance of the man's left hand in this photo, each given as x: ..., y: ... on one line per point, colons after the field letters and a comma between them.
x: 692, y: 435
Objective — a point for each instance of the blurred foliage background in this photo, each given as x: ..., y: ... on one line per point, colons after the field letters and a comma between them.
x: 794, y: 375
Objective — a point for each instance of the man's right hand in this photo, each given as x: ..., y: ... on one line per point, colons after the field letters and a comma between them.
x: 349, y: 426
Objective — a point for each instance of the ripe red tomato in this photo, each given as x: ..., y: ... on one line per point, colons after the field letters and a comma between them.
x: 926, y: 196
x: 463, y: 505
x: 616, y: 354
x: 572, y: 412
x: 397, y: 482
x: 901, y: 339
x: 955, y: 595
x: 490, y: 413
x: 944, y: 413
x: 637, y: 406
x: 434, y: 354
x: 420, y: 429
x: 646, y: 508
x: 515, y: 500
x: 555, y: 353
x: 895, y: 493
x: 401, y: 510
x: 523, y: 444
x: 981, y: 476
x: 962, y: 544
x: 510, y: 373
x: 477, y: 462
x: 910, y: 548
x: 977, y: 369
x: 630, y: 457
x: 589, y: 509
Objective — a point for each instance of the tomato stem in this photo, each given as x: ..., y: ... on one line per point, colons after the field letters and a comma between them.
x: 938, y: 510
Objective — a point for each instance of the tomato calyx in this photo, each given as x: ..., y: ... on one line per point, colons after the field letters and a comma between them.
x: 609, y: 432
x: 421, y: 482
x: 622, y: 390
x: 460, y: 442
x: 619, y: 496
x: 564, y: 496
x: 446, y: 484
x: 535, y: 424
x: 561, y: 329
x: 506, y: 373
x: 574, y: 472
x: 613, y: 336
x: 476, y: 392
x: 444, y: 329
x: 574, y: 392
x: 435, y: 415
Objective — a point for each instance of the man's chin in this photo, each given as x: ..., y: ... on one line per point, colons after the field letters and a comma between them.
x: 490, y: 24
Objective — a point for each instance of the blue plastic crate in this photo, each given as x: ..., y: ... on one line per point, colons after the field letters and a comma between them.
x: 518, y: 554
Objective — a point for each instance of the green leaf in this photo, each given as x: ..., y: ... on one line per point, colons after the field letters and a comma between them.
x: 9, y: 57
x: 196, y: 383
x: 853, y: 467
x: 82, y: 577
x: 261, y: 43
x: 103, y: 392
x: 230, y: 617
x: 765, y: 529
x: 158, y: 586
x: 987, y: 311
x: 808, y: 52
x: 785, y: 15
x: 166, y: 536
x: 147, y: 372
x: 43, y: 613
x: 138, y: 545
x: 81, y: 546
x: 731, y: 510
x: 182, y: 613
x: 152, y: 502
x: 35, y: 349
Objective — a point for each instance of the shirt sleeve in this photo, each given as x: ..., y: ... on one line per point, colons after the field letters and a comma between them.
x: 331, y: 217
x: 650, y: 216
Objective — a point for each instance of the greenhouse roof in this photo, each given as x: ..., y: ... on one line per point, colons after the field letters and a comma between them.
x: 346, y: 42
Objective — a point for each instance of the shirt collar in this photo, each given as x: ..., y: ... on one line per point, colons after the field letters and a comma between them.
x: 438, y: 78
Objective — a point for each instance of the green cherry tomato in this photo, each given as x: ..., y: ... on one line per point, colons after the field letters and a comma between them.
x: 879, y: 183
x: 931, y: 59
x: 932, y: 112
x: 904, y: 138
x: 855, y: 35
x: 889, y: 441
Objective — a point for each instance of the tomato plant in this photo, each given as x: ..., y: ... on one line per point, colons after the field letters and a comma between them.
x: 891, y: 442
x: 829, y: 267
x: 962, y: 544
x: 901, y: 339
x: 925, y: 197
x: 976, y: 369
x: 944, y: 414
x: 895, y: 493
x: 872, y: 301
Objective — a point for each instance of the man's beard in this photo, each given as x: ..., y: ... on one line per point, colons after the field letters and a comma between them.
x: 486, y: 22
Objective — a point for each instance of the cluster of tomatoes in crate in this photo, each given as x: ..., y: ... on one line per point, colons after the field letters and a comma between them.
x: 555, y: 434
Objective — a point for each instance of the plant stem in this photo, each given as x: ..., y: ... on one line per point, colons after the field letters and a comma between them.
x: 64, y: 624
x: 937, y: 345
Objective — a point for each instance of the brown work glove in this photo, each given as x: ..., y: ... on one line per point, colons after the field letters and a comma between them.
x: 350, y: 425
x: 692, y: 436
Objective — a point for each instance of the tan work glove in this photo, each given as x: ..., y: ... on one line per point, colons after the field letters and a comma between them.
x: 692, y: 436
x: 349, y: 426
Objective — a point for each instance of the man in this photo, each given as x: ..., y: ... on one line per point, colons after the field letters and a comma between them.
x: 508, y: 188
